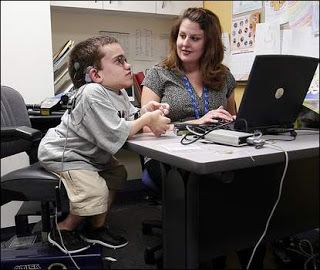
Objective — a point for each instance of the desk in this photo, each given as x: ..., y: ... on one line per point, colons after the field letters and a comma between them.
x: 217, y: 198
x: 43, y: 123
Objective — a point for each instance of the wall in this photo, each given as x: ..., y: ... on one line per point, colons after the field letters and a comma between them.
x: 26, y: 65
x: 223, y: 9
x: 78, y: 25
x: 26, y: 58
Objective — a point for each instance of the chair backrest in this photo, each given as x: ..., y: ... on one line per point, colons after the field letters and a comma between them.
x: 137, y: 80
x: 13, y: 113
x: 139, y: 77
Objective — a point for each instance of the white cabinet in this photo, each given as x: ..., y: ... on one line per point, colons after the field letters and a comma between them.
x: 175, y: 7
x: 133, y: 6
x: 152, y: 7
x: 79, y: 4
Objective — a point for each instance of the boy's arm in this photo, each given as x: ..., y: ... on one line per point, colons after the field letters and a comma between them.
x: 154, y: 120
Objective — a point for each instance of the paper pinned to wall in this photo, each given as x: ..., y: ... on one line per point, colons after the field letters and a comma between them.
x: 163, y: 45
x: 267, y: 39
x: 143, y: 45
x: 315, y: 17
x: 300, y: 41
x: 241, y: 65
x: 244, y: 6
x: 227, y: 50
x: 312, y: 98
x: 243, y: 32
x: 276, y: 12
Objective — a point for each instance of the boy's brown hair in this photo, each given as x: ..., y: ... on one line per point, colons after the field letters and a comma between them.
x: 85, y: 54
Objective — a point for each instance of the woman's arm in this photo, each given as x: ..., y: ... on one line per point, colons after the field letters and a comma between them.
x: 231, y: 105
x: 148, y: 95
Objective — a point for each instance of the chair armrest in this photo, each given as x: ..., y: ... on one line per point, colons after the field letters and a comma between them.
x: 20, y: 132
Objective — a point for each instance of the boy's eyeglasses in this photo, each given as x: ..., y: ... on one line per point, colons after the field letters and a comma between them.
x: 121, y: 60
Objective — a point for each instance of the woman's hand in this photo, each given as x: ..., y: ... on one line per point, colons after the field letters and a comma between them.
x: 213, y: 115
x: 154, y: 105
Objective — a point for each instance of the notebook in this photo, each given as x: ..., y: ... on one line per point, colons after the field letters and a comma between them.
x: 276, y: 88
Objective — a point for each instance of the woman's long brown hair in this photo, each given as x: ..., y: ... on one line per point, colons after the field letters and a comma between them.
x: 211, y: 67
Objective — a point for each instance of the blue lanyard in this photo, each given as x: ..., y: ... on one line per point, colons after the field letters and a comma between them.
x: 191, y: 93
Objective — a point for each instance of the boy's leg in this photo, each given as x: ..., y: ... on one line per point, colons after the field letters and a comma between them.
x: 115, y: 177
x: 71, y: 222
x: 88, y: 196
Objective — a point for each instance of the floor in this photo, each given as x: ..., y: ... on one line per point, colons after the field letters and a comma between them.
x: 126, y: 216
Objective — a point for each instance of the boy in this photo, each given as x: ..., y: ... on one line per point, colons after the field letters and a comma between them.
x: 81, y: 148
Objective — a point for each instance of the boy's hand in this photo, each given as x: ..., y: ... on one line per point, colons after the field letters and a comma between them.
x: 154, y: 105
x: 158, y: 122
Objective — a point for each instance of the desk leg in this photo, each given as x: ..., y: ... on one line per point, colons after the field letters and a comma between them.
x: 192, y: 222
x: 174, y: 216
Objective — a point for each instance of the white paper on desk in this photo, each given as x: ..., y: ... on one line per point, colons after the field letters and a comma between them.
x: 267, y: 39
x: 180, y: 147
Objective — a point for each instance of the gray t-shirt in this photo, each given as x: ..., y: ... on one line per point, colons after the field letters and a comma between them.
x: 94, y: 130
x: 169, y: 86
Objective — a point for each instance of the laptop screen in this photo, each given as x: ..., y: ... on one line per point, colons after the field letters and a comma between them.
x: 275, y: 91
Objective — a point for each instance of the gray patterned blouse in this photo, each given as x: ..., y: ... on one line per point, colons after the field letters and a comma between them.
x: 170, y: 88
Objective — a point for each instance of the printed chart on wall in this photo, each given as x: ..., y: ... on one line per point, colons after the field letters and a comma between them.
x: 143, y: 45
x: 242, y: 44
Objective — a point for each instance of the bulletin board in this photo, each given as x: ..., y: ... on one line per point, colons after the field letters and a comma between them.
x: 274, y: 27
x: 271, y: 27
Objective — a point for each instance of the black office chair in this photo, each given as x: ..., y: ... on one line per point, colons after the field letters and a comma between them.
x: 32, y: 183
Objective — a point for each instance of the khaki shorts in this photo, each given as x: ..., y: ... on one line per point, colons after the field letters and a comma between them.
x: 88, y: 191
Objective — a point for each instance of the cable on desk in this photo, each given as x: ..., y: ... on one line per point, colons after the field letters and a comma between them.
x: 196, y: 135
x: 276, y: 203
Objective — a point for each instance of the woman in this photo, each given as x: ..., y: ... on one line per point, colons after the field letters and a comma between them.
x: 195, y: 84
x: 192, y: 79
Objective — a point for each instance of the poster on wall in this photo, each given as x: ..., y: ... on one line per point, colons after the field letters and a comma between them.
x: 275, y: 12
x: 243, y: 32
x: 244, y: 6
x: 312, y: 98
x: 294, y: 13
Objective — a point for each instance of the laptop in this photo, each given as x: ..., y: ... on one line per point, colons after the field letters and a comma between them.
x: 276, y: 88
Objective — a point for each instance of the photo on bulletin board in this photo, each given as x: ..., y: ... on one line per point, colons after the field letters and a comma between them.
x: 243, y: 32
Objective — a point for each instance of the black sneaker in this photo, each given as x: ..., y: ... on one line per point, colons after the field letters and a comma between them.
x: 72, y: 241
x: 103, y: 237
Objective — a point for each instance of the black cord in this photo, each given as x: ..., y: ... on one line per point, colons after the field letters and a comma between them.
x: 202, y: 136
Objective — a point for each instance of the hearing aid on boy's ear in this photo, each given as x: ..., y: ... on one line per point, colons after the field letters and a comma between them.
x: 87, y: 75
x: 76, y: 65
